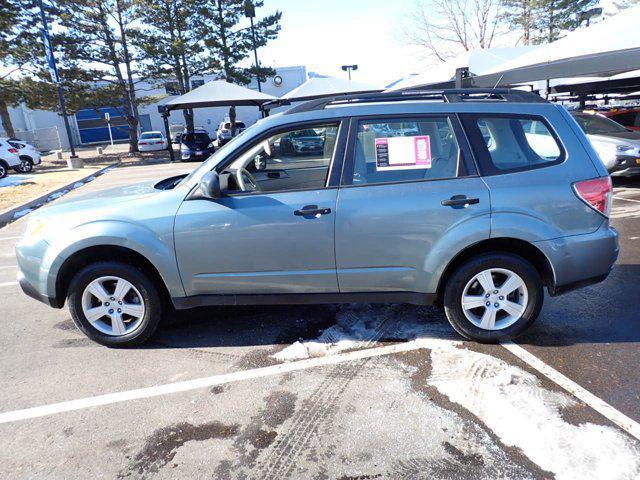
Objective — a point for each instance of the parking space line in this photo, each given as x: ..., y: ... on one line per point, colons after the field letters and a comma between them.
x: 16, y: 237
x: 626, y: 199
x: 628, y: 425
x: 198, y: 383
x: 8, y: 284
x: 4, y: 267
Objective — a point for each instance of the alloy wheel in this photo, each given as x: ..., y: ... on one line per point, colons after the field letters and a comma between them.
x: 113, y: 305
x: 494, y: 299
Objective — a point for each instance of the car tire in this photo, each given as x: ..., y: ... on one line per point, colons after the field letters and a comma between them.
x: 504, y: 314
x: 142, y: 289
x: 4, y: 169
x: 26, y: 165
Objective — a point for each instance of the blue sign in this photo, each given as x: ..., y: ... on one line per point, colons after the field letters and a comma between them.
x: 48, y: 49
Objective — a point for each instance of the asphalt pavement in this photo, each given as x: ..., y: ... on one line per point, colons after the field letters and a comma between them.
x: 323, y: 392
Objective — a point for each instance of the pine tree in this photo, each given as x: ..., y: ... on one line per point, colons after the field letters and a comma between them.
x: 522, y: 15
x: 556, y: 17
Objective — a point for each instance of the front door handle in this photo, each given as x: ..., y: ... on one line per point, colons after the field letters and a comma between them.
x: 459, y: 201
x: 312, y: 211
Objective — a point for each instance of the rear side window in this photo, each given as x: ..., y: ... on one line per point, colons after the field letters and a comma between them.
x: 512, y: 143
x: 404, y: 150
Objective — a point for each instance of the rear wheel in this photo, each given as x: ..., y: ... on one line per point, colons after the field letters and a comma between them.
x: 4, y: 169
x: 493, y: 297
x: 114, y: 304
x: 26, y: 165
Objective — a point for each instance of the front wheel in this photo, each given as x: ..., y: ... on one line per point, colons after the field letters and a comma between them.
x: 114, y: 304
x: 493, y: 297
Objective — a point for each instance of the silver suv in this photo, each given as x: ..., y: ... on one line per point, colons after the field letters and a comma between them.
x: 473, y: 200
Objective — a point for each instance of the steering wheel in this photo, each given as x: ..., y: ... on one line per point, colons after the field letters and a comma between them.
x: 250, y: 181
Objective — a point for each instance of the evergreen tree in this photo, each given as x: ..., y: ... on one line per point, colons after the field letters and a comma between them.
x: 556, y: 17
x: 522, y: 15
x: 230, y: 43
x: 171, y: 45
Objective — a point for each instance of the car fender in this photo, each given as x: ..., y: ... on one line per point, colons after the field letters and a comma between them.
x: 157, y: 248
x: 456, y: 239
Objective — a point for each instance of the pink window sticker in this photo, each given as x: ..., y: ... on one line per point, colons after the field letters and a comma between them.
x: 422, y: 145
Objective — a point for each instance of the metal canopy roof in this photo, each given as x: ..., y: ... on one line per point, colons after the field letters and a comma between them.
x: 318, y: 87
x: 217, y: 93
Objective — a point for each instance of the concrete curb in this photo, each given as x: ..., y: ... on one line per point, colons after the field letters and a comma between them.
x: 20, y: 211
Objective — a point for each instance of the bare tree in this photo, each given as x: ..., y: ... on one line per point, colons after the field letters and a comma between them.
x: 448, y: 27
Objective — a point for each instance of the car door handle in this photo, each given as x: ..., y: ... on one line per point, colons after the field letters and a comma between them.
x: 459, y: 200
x: 312, y: 211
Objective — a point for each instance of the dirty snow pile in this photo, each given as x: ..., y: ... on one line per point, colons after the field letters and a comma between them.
x: 361, y: 325
x: 14, y: 180
x: 512, y: 403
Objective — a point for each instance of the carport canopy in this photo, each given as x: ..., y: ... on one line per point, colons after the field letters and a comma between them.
x: 215, y: 93
x: 318, y: 87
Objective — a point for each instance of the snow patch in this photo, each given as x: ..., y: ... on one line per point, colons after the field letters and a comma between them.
x: 55, y: 195
x: 22, y: 213
x: 360, y: 326
x: 14, y: 180
x: 77, y: 184
x: 514, y: 405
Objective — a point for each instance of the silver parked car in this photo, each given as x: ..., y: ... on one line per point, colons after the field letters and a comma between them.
x: 474, y: 200
x: 618, y: 147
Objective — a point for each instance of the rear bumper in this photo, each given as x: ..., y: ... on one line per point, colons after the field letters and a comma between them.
x: 581, y: 260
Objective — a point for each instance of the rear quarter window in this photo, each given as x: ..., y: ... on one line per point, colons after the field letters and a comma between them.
x: 506, y: 143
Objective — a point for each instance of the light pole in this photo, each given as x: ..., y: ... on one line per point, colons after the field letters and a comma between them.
x: 250, y: 12
x: 54, y: 75
x: 348, y: 68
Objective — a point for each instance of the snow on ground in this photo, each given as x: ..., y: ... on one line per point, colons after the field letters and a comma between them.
x: 514, y: 405
x: 510, y: 401
x: 22, y: 213
x: 359, y: 326
x: 14, y: 180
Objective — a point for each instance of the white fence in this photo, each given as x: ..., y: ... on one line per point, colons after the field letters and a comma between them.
x: 44, y: 139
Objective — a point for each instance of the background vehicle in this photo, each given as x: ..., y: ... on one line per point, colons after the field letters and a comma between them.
x: 498, y: 195
x: 196, y: 146
x: 28, y: 154
x: 302, y: 142
x: 628, y: 117
x: 176, y: 130
x: 223, y: 133
x: 618, y: 148
x: 9, y: 157
x: 152, y: 141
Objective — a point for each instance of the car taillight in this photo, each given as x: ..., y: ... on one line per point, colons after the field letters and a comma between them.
x: 13, y: 150
x: 596, y: 193
x: 143, y: 143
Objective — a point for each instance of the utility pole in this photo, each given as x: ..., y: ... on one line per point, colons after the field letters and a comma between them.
x: 348, y: 68
x: 54, y: 76
x: 250, y: 12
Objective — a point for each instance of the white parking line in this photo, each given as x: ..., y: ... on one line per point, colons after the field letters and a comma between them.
x: 626, y: 199
x: 628, y: 425
x: 4, y: 267
x: 8, y: 284
x: 197, y: 383
x: 10, y: 238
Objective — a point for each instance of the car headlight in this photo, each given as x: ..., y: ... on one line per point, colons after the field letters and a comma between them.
x: 36, y: 228
x: 624, y: 148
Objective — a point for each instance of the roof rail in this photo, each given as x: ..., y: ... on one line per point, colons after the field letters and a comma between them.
x: 447, y: 96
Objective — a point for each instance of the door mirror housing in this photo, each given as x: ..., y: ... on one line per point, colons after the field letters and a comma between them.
x: 210, y: 185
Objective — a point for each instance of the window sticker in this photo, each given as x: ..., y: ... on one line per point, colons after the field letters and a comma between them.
x: 403, y: 153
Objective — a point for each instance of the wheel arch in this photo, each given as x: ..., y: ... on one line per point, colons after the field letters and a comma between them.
x: 514, y: 246
x: 101, y: 253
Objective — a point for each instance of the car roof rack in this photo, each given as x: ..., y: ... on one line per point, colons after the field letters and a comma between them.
x: 447, y: 96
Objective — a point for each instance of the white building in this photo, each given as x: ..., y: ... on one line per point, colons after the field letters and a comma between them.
x: 46, y: 128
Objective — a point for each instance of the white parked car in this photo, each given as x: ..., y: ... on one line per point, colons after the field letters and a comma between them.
x: 28, y: 154
x: 8, y: 157
x: 152, y: 141
x: 223, y: 133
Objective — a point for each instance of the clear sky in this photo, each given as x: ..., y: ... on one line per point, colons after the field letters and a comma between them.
x: 325, y: 34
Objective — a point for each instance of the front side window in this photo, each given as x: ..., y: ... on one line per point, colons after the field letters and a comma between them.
x: 512, y: 143
x: 297, y: 159
x: 401, y: 150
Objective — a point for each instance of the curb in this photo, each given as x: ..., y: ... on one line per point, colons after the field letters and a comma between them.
x: 13, y: 214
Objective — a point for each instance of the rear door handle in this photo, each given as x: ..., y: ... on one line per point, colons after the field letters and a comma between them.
x: 459, y: 200
x: 312, y: 211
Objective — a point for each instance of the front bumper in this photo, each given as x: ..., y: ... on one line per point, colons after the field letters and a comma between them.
x: 581, y: 260
x: 31, y: 291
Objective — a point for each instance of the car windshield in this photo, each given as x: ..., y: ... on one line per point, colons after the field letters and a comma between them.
x: 219, y: 154
x: 148, y: 135
x: 597, y: 124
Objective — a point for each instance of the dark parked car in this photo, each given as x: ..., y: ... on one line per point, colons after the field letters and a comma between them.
x: 196, y: 146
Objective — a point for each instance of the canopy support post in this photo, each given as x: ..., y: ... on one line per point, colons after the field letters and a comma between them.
x: 165, y: 119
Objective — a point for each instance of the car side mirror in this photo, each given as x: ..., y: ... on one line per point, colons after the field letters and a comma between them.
x: 210, y: 185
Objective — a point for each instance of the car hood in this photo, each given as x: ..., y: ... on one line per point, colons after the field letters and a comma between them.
x: 140, y: 204
x: 626, y: 138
